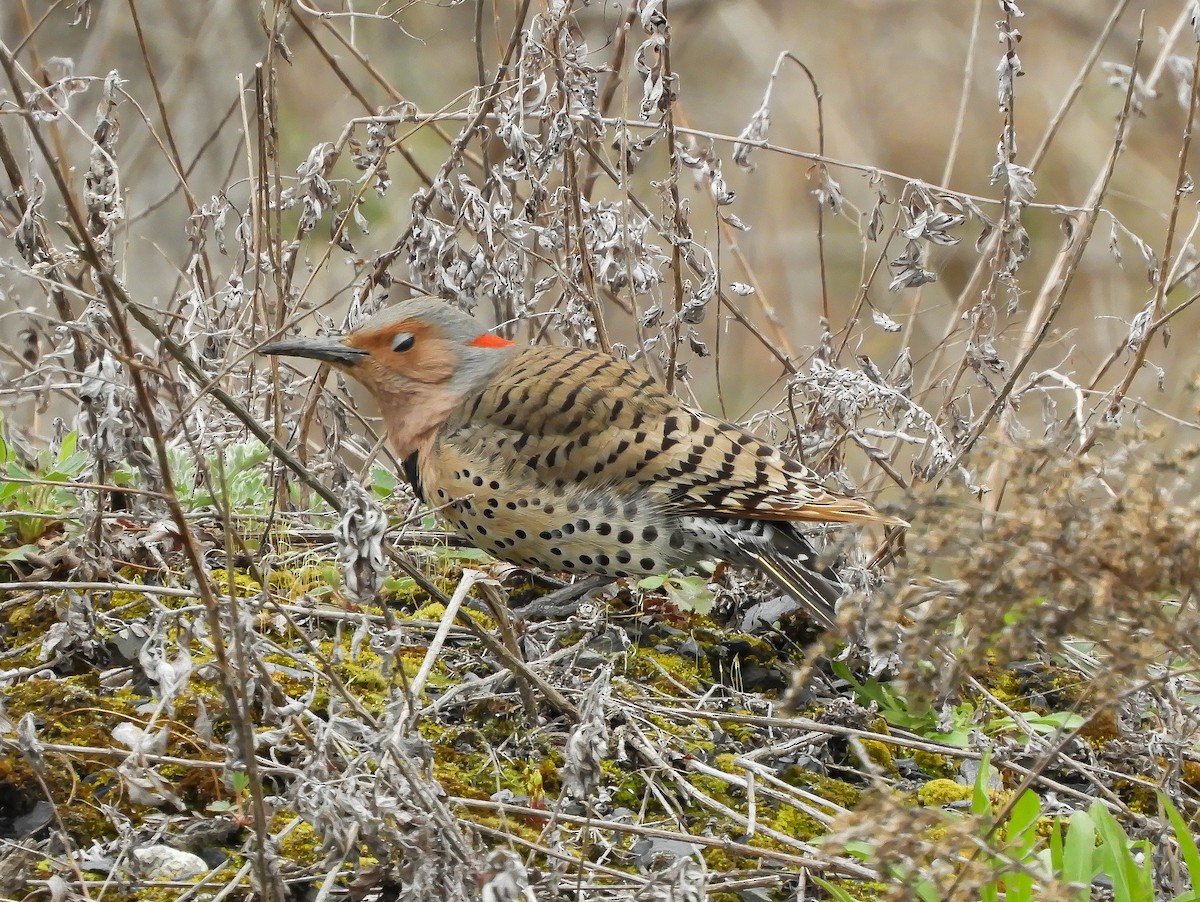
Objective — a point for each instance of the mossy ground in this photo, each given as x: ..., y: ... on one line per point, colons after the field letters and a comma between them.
x: 690, y: 750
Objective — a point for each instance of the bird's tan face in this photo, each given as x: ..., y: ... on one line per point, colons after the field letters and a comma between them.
x: 419, y: 360
x: 413, y: 368
x: 408, y: 351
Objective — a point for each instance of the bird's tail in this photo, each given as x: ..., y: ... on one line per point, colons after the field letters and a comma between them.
x: 816, y: 592
x: 790, y: 562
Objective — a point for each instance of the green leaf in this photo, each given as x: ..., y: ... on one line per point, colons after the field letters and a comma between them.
x: 18, y: 554
x: 1022, y: 822
x: 1131, y: 881
x: 401, y: 585
x: 1079, y: 852
x: 691, y: 593
x: 927, y: 892
x: 1187, y: 846
x: 1054, y: 847
x: 73, y: 465
x: 860, y: 849
x: 990, y: 892
x: 1022, y: 837
x: 835, y: 892
x: 63, y: 499
x: 1057, y: 720
x: 652, y: 582
x: 15, y: 470
x: 69, y: 443
x: 383, y: 482
x: 899, y: 713
x: 981, y: 803
x: 956, y: 738
x: 463, y: 554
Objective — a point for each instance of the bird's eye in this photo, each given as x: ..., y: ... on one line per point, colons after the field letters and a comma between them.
x: 403, y: 341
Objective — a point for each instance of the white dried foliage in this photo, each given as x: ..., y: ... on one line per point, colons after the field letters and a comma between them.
x: 102, y: 188
x: 108, y: 413
x: 587, y: 745
x: 909, y: 268
x: 844, y: 395
x: 755, y: 131
x: 658, y: 87
x: 506, y: 879
x: 1119, y: 233
x: 313, y: 189
x: 359, y: 536
x: 53, y: 102
x: 1008, y: 69
x: 884, y: 321
x: 30, y: 744
x: 1119, y: 75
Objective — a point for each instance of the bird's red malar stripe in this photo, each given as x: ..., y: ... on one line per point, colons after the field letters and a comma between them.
x: 488, y: 340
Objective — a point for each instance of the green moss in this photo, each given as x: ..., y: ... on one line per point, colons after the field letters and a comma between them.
x: 243, y: 584
x: 837, y: 792
x: 863, y: 890
x: 432, y: 612
x: 939, y: 792
x: 721, y: 790
x: 935, y: 764
x: 880, y: 753
x: 1100, y: 729
x: 1190, y: 774
x: 301, y: 843
x: 668, y: 670
x: 791, y: 821
x: 743, y: 734
x: 465, y: 762
x: 1006, y: 686
x: 1140, y: 797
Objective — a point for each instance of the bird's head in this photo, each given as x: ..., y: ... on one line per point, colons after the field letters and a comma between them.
x: 419, y: 358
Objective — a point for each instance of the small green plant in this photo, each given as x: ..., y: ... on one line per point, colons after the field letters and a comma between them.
x: 691, y: 593
x: 34, y: 501
x: 236, y: 807
x: 1091, y: 844
x: 1020, y: 839
x: 1095, y: 844
x: 924, y: 721
x: 240, y: 468
x: 383, y: 482
x: 899, y: 712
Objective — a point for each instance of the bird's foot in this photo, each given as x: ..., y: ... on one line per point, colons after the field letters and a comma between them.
x: 564, y: 600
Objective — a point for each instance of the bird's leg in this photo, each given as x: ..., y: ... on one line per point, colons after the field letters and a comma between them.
x: 564, y: 600
x: 498, y: 608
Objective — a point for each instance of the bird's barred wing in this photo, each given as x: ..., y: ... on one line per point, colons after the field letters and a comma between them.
x: 736, y: 472
x: 572, y: 417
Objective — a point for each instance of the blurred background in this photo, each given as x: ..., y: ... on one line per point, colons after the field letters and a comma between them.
x: 908, y: 90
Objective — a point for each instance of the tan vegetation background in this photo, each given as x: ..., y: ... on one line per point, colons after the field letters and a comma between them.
x: 907, y: 88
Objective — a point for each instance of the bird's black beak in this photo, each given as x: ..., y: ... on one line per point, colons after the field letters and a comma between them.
x: 327, y: 350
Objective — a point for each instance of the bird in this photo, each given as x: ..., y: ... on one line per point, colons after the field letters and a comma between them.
x: 572, y: 460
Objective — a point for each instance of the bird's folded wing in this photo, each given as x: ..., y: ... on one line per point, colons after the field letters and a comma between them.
x: 577, y: 418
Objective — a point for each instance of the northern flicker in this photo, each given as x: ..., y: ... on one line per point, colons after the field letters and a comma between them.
x: 572, y: 460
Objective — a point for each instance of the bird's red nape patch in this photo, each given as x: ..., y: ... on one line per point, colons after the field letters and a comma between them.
x: 488, y: 340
